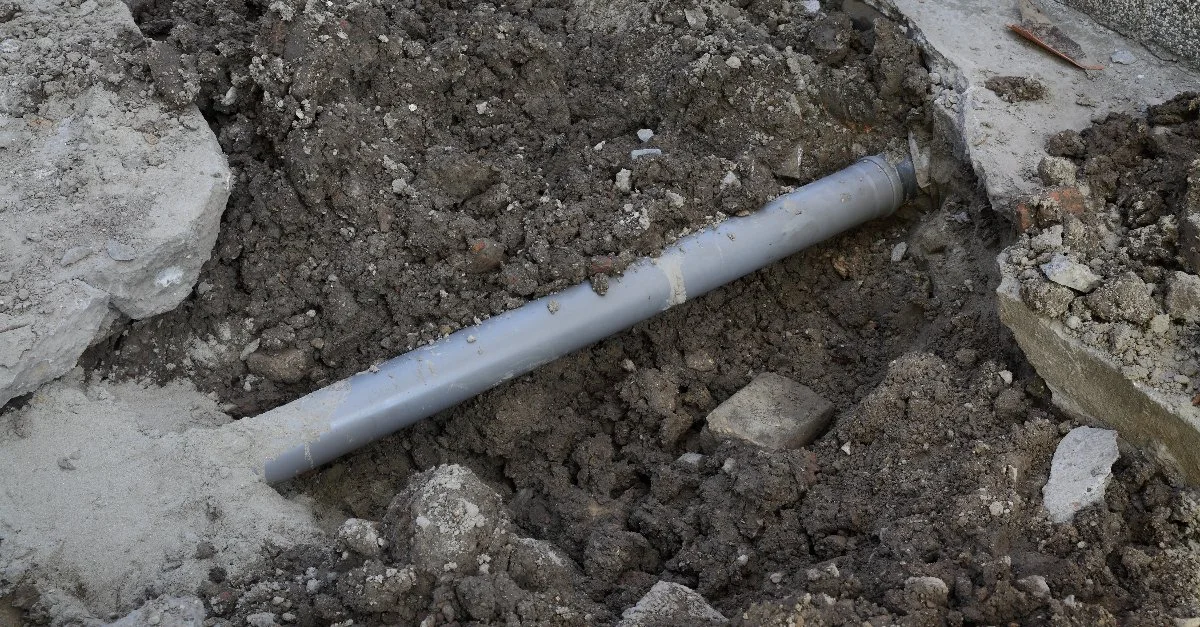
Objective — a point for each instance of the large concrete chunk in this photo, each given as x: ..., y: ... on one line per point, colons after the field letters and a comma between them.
x: 1088, y: 384
x: 671, y: 604
x: 111, y: 199
x: 1080, y: 472
x: 773, y: 412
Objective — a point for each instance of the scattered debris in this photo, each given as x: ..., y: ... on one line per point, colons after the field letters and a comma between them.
x: 1080, y: 471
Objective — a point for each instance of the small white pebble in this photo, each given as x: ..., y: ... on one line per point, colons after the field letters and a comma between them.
x: 645, y: 134
x: 1006, y: 377
x: 412, y: 107
x: 846, y: 448
x: 733, y: 62
x: 470, y: 339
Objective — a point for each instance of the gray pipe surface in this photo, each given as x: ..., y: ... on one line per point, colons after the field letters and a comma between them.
x: 342, y: 417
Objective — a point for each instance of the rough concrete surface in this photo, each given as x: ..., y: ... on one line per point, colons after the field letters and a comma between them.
x: 1169, y: 27
x: 968, y: 42
x: 773, y: 412
x: 1080, y: 472
x: 1087, y: 383
x: 144, y: 465
x: 111, y: 201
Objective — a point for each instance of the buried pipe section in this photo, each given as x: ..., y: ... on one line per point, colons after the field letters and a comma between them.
x: 342, y: 417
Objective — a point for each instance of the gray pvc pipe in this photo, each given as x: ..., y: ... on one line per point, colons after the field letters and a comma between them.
x: 335, y: 420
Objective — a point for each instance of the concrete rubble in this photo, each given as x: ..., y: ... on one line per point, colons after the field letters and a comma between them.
x: 113, y: 197
x: 1080, y: 472
x: 968, y: 43
x: 1004, y: 137
x: 773, y: 412
x: 671, y: 604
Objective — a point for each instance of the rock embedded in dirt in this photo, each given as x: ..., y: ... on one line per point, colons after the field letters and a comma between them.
x: 1080, y: 472
x: 286, y: 366
x: 1183, y: 297
x: 1057, y: 171
x: 445, y: 519
x: 669, y: 603
x: 1049, y: 299
x: 773, y: 412
x: 165, y: 611
x: 922, y: 592
x: 1125, y: 298
x: 361, y: 536
x: 1063, y: 271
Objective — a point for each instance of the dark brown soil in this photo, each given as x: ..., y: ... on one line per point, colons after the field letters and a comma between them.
x: 933, y: 468
x: 403, y: 169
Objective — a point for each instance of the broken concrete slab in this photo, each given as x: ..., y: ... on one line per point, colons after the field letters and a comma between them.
x: 773, y: 412
x: 670, y: 603
x: 111, y: 198
x: 1079, y: 472
x: 151, y: 468
x: 968, y: 42
x: 1090, y: 385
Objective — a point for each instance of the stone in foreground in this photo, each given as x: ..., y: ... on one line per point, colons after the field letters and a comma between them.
x: 773, y: 412
x: 671, y: 604
x: 1080, y: 472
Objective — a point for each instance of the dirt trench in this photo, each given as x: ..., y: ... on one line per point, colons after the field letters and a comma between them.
x: 406, y: 168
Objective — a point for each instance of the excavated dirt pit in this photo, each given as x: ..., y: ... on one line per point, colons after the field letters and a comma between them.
x: 404, y: 169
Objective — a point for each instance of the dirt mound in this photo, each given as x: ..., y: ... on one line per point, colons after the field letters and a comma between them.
x: 404, y: 169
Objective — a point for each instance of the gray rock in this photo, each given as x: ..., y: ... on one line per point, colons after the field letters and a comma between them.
x: 898, y: 252
x: 645, y: 134
x: 1080, y: 472
x: 1125, y: 298
x: 1046, y: 298
x: 444, y: 519
x: 1183, y: 296
x: 1035, y: 585
x: 1070, y: 274
x: 671, y: 604
x: 773, y: 412
x: 1058, y: 171
x: 645, y: 152
x: 921, y: 592
x: 360, y: 536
